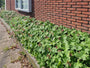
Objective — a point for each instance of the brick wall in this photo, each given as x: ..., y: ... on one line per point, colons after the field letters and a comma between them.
x: 70, y: 13
x: 8, y: 4
x: 12, y: 4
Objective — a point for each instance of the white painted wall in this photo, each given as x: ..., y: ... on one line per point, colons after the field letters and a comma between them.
x: 5, y: 5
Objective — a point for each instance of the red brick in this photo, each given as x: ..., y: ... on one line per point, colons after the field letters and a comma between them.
x: 87, y: 6
x: 81, y: 21
x: 78, y: 29
x: 64, y: 23
x: 81, y: 27
x: 67, y: 26
x: 66, y: 16
x: 82, y: 3
x: 70, y: 8
x: 72, y: 3
x: 72, y: 14
x: 71, y: 24
x: 62, y: 8
x: 75, y: 17
x: 62, y: 3
x: 77, y: 12
x: 68, y: 11
x: 67, y: 0
x: 76, y: 6
x: 70, y: 19
x: 66, y: 6
x: 86, y: 0
x: 86, y: 25
x: 87, y: 19
x: 87, y: 13
x: 75, y: 0
x: 62, y: 18
x: 59, y: 0
x: 82, y: 15
x: 76, y: 23
x: 82, y: 9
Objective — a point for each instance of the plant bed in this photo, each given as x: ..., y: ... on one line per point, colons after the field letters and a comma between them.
x: 53, y: 46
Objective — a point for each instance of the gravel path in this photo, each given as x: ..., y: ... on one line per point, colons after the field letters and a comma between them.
x: 6, y: 55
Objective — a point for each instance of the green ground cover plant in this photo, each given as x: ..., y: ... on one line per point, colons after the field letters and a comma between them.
x: 53, y: 46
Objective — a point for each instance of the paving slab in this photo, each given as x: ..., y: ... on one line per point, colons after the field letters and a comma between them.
x: 7, y: 56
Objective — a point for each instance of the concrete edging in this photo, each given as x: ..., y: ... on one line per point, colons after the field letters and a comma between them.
x: 31, y: 59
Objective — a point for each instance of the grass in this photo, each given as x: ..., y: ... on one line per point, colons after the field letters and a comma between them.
x: 11, y: 47
x: 6, y: 49
x: 4, y: 66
